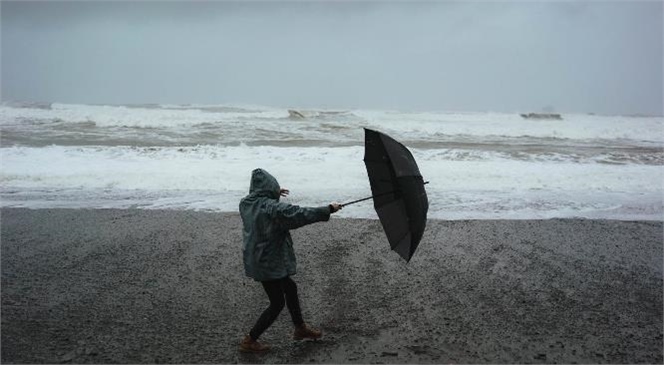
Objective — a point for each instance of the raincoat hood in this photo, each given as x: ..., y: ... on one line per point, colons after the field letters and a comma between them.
x: 264, y: 184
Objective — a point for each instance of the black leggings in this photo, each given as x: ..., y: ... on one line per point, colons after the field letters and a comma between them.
x: 276, y: 290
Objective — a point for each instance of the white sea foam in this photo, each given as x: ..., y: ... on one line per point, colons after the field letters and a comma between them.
x: 480, y: 165
x: 216, y: 177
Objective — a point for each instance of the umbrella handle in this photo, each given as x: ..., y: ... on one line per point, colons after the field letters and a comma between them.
x: 371, y: 197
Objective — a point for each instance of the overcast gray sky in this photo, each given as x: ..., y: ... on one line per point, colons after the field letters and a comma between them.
x: 602, y: 57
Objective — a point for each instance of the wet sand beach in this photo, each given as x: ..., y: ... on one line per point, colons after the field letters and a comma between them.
x: 139, y: 286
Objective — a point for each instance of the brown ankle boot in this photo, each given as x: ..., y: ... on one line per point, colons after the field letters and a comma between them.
x: 249, y: 345
x: 303, y: 331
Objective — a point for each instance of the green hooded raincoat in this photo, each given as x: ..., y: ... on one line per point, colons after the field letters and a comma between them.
x: 268, y: 247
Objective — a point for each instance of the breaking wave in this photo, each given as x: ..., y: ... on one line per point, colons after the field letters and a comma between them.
x: 480, y: 165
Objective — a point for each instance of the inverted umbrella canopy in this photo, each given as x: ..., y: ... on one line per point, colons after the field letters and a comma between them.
x: 398, y: 191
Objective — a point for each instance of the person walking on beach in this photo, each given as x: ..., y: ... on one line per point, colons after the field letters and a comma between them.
x: 268, y: 252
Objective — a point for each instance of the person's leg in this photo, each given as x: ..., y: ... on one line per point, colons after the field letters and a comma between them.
x: 302, y: 331
x: 275, y: 293
x: 292, y: 300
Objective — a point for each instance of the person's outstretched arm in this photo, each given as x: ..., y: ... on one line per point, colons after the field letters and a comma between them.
x: 291, y: 216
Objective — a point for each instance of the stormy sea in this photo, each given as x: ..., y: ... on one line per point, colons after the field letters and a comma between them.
x: 480, y: 165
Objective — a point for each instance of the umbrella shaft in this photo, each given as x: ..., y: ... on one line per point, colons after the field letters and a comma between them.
x: 371, y: 197
x: 367, y: 198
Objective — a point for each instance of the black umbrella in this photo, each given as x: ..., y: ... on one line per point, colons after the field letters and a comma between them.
x: 398, y: 191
